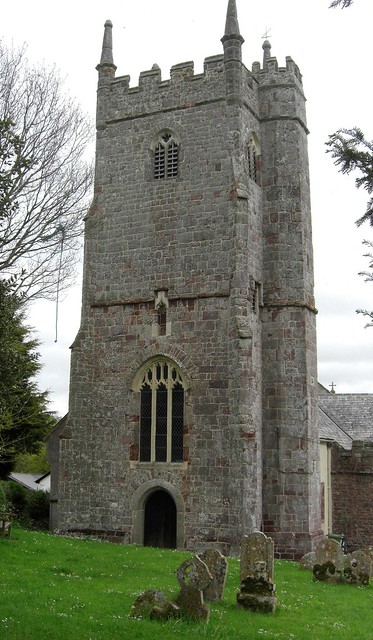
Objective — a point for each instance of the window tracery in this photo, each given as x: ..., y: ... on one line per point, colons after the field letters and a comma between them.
x: 161, y: 413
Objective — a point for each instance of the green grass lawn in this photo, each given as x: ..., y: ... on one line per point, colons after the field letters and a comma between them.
x: 69, y: 589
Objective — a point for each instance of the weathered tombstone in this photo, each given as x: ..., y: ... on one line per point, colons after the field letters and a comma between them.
x: 193, y: 577
x: 357, y: 568
x: 217, y: 565
x: 308, y: 561
x: 257, y: 590
x: 369, y: 552
x: 153, y: 604
x: 329, y: 561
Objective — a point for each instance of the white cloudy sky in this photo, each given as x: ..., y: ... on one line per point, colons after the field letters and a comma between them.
x: 332, y: 49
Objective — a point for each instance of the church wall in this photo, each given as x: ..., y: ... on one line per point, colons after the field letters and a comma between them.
x: 290, y: 434
x: 184, y: 236
x: 352, y: 489
x: 231, y: 255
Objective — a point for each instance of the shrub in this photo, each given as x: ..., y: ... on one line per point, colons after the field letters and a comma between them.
x: 31, y: 508
x: 38, y: 509
x: 3, y: 502
x: 16, y: 497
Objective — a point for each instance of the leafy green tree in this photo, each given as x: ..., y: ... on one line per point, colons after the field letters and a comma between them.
x: 24, y: 416
x: 32, y: 462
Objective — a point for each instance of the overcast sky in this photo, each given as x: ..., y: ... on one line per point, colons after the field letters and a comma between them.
x: 333, y: 51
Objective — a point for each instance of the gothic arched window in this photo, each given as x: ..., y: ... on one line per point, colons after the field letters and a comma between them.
x: 161, y: 389
x: 166, y: 156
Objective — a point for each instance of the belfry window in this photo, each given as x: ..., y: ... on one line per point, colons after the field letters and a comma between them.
x: 166, y: 157
x: 161, y: 413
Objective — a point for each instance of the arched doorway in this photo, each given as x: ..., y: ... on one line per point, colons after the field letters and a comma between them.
x: 160, y: 521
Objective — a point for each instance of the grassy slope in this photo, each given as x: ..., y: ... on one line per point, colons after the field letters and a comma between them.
x: 66, y: 589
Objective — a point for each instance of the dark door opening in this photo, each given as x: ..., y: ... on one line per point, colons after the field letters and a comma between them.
x: 160, y: 521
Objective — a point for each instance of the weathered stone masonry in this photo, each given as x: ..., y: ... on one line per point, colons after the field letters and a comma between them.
x: 224, y: 250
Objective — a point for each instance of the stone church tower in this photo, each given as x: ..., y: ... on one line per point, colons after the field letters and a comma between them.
x: 192, y: 417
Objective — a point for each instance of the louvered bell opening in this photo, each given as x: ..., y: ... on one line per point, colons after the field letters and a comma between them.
x: 172, y: 160
x: 159, y: 162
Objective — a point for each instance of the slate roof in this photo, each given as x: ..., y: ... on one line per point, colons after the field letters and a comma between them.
x: 29, y: 480
x: 330, y: 431
x: 351, y: 412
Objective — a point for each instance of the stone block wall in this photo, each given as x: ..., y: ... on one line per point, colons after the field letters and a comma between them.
x: 352, y: 490
x: 232, y: 256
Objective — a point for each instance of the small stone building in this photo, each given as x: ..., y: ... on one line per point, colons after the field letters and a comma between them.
x: 193, y: 410
x: 346, y: 432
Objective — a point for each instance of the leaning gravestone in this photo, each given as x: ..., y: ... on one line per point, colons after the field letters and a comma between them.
x: 217, y: 565
x: 329, y: 561
x: 193, y: 577
x: 257, y: 591
x: 153, y: 604
x: 357, y: 568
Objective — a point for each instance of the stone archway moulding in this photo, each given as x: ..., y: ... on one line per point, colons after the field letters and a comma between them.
x: 138, y: 502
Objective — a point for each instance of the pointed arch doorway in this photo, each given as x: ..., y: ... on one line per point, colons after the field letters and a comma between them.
x: 160, y: 520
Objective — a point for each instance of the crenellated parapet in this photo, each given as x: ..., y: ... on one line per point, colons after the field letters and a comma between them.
x: 268, y: 90
x: 280, y: 88
x: 183, y: 89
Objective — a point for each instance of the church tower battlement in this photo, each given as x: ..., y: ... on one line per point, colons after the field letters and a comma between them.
x: 192, y: 416
x: 185, y: 88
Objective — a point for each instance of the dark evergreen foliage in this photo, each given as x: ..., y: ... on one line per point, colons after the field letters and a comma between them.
x: 351, y: 151
x: 24, y: 417
x: 341, y: 3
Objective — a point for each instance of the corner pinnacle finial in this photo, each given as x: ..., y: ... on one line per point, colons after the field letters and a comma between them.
x: 266, y: 52
x: 231, y: 24
x: 107, y: 46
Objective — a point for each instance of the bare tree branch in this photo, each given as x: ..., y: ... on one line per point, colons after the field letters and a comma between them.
x: 51, y: 194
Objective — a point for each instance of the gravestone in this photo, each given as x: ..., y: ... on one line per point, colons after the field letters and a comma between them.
x: 357, y: 568
x: 329, y: 561
x: 153, y: 604
x: 257, y: 590
x: 307, y: 561
x: 193, y: 577
x: 369, y: 552
x: 217, y: 565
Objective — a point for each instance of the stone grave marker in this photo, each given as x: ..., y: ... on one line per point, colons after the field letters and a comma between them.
x: 329, y: 561
x: 307, y: 561
x: 369, y: 552
x: 217, y: 565
x: 357, y: 568
x: 153, y: 604
x: 257, y: 590
x: 193, y: 577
